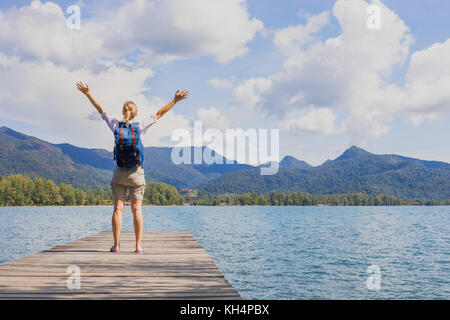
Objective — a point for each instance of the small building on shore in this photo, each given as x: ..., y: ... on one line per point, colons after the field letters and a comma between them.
x: 189, y: 192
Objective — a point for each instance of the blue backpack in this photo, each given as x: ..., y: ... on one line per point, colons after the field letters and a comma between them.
x: 128, y: 149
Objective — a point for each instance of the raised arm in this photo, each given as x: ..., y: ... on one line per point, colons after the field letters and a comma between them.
x: 84, y: 88
x: 178, y: 97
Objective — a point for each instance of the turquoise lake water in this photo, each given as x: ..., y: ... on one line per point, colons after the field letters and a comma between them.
x: 276, y: 252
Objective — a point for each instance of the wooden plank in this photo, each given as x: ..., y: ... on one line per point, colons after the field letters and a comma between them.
x: 123, y: 296
x: 175, y: 266
x: 113, y: 265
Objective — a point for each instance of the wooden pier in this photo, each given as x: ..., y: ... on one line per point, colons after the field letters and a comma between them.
x: 174, y: 266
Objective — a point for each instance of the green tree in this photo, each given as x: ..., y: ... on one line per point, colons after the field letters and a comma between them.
x: 67, y: 194
x: 40, y: 193
x: 159, y: 193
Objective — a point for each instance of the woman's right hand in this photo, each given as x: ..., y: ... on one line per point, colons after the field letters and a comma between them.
x: 84, y: 88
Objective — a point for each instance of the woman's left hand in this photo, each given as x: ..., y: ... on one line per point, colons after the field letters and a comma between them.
x: 181, y: 95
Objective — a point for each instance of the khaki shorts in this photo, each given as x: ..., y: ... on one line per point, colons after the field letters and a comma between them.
x: 132, y: 178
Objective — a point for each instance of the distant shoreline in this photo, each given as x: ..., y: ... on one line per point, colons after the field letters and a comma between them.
x: 22, y: 190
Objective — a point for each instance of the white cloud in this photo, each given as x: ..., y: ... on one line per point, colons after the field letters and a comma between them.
x: 316, y: 122
x: 161, y: 31
x: 218, y: 28
x: 223, y: 83
x: 39, y: 31
x: 428, y: 80
x: 350, y: 73
x: 250, y: 92
x: 291, y: 39
x: 212, y: 118
x: 417, y: 119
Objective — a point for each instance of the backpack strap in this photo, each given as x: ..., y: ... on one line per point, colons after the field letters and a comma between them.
x: 121, y: 147
x: 134, y: 146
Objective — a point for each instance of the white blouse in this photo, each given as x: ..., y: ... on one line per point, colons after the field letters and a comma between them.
x: 113, y: 123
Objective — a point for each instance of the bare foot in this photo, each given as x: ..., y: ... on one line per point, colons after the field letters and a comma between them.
x: 139, y: 248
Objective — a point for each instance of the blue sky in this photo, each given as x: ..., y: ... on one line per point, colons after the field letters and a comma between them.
x: 306, y: 67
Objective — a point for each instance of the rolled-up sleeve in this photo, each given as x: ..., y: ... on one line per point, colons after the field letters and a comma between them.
x: 112, y: 122
x: 147, y: 123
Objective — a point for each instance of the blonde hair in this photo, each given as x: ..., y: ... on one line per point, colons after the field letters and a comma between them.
x: 129, y: 110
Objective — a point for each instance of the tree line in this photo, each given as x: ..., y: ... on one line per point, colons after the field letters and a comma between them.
x: 306, y: 199
x: 22, y: 190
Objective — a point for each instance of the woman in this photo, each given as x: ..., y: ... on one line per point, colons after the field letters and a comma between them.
x: 129, y: 177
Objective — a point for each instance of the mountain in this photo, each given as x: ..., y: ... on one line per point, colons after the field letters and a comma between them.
x: 353, y: 153
x: 356, y: 170
x: 35, y: 157
x: 289, y: 162
x: 359, y: 154
x: 97, y: 158
x: 92, y: 168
